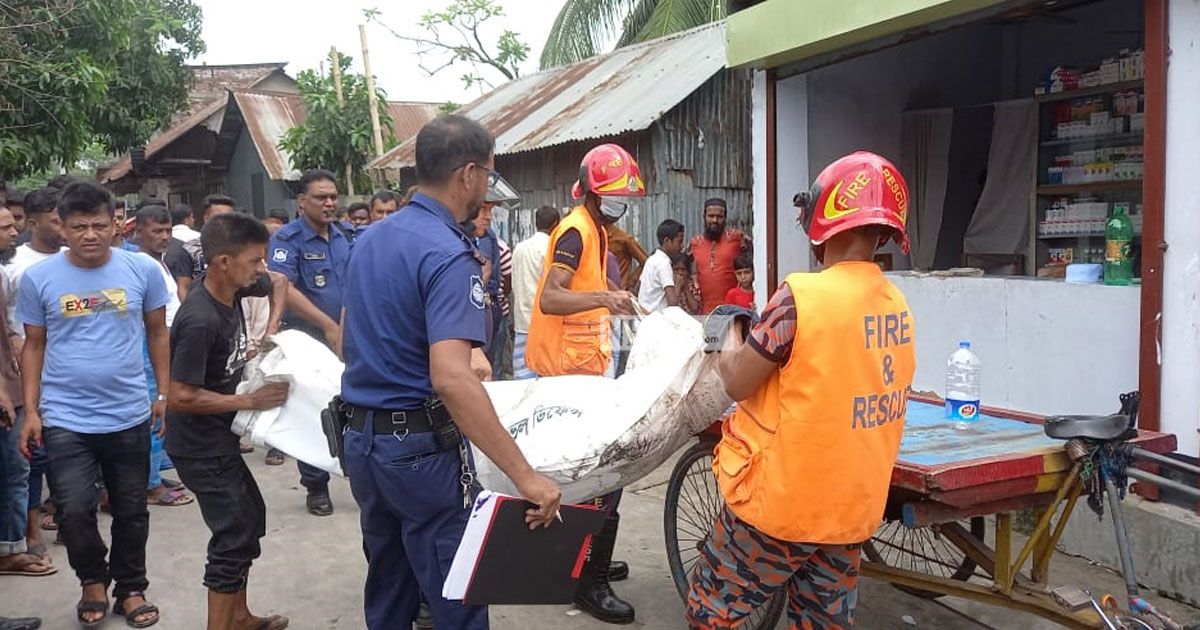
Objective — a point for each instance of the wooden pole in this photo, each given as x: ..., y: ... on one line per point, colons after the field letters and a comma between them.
x: 336, y: 60
x: 376, y: 130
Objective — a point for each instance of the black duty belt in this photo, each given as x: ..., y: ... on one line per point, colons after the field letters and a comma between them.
x: 387, y: 421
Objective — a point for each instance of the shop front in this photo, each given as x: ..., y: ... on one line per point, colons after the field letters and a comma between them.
x: 1022, y: 129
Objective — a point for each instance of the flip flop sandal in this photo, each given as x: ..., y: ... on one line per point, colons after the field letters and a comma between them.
x: 172, y: 498
x: 246, y: 448
x: 275, y: 458
x: 130, y: 615
x: 47, y: 522
x: 274, y: 622
x: 26, y: 568
x: 171, y: 484
x: 88, y: 606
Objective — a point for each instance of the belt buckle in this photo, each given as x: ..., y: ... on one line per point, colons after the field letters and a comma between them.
x: 402, y: 432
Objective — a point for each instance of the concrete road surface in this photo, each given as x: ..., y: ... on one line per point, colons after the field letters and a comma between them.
x: 312, y: 570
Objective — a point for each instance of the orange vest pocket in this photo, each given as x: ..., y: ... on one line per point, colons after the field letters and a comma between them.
x: 736, y: 463
x: 582, y: 348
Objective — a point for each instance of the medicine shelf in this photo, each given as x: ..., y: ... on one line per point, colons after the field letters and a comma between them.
x: 1115, y: 139
x: 1057, y: 190
x: 1119, y: 86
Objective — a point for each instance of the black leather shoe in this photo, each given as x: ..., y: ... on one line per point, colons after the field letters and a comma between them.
x: 617, y: 571
x: 22, y: 623
x: 598, y: 600
x: 319, y: 503
x: 424, y: 618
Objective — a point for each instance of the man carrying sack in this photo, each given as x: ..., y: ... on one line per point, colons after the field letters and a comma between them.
x: 821, y: 382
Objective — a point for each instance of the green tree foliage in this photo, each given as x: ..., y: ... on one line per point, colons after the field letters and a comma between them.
x: 333, y: 136
x: 585, y: 28
x: 74, y: 72
x: 453, y: 36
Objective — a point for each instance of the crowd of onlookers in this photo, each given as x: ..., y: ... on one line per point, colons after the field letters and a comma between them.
x: 714, y: 267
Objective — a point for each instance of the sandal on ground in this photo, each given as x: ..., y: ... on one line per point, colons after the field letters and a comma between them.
x: 171, y: 498
x: 274, y: 622
x: 131, y: 615
x: 246, y: 448
x: 171, y: 484
x: 90, y: 606
x: 29, y: 565
x: 275, y: 457
x: 47, y: 521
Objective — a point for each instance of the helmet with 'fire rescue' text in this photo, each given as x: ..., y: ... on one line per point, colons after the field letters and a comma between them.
x: 857, y: 190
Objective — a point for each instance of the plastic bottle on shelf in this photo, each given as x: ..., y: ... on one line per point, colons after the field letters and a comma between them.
x: 1118, y: 261
x: 964, y: 372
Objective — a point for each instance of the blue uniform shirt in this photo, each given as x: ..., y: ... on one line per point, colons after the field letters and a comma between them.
x: 317, y: 267
x: 414, y: 280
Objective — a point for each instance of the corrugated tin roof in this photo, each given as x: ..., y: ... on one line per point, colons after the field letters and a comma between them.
x: 269, y: 115
x: 625, y: 90
x: 206, y: 99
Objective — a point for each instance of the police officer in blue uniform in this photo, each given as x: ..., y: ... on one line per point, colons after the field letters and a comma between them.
x: 414, y: 324
x: 313, y: 252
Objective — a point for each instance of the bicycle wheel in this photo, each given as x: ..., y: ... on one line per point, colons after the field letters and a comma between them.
x: 692, y: 505
x: 924, y: 550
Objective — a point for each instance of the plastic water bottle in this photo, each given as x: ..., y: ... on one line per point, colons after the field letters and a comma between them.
x: 964, y: 384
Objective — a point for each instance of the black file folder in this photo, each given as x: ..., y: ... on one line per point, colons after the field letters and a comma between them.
x: 501, y: 561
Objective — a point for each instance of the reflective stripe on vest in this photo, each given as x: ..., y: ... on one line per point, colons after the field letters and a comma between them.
x: 809, y: 457
x: 579, y: 343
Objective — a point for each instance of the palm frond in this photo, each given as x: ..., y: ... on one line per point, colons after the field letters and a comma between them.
x: 636, y: 21
x: 673, y: 16
x: 582, y: 29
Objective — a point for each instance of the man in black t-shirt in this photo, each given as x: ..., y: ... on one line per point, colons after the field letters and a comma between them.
x: 208, y: 355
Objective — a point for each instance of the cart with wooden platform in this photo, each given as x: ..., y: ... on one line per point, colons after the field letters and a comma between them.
x: 950, y: 486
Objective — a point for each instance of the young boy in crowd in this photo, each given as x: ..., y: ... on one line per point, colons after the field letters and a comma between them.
x: 743, y: 294
x: 657, y: 289
x: 685, y: 281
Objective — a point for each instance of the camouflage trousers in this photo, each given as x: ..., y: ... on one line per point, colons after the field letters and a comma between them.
x: 740, y: 569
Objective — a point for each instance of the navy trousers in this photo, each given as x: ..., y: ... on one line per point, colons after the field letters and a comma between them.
x: 412, y: 518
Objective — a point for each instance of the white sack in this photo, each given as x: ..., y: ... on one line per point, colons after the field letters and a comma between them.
x: 590, y: 434
x: 315, y: 376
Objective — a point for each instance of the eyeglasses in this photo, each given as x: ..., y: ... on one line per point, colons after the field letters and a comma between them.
x: 493, y: 174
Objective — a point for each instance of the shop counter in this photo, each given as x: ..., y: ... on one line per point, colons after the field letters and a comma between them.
x: 1047, y: 346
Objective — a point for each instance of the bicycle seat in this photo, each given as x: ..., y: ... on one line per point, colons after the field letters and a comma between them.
x: 1087, y: 427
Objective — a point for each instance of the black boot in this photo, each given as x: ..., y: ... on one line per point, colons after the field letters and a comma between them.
x: 595, y: 596
x: 617, y: 571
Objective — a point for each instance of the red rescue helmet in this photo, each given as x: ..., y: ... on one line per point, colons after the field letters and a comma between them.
x: 609, y: 171
x: 857, y: 190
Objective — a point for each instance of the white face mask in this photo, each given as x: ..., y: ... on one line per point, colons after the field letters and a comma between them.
x: 615, y: 207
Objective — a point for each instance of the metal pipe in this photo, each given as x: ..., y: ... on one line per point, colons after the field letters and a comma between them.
x: 1162, y: 482
x: 1118, y: 519
x: 1163, y: 459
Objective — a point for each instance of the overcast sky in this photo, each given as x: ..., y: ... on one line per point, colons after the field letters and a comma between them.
x: 300, y: 32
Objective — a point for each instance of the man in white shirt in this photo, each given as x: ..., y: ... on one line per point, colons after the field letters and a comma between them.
x: 183, y: 222
x: 657, y: 282
x: 528, y: 257
x: 45, y: 240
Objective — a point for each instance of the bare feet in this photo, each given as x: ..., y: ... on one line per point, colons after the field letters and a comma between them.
x: 250, y: 622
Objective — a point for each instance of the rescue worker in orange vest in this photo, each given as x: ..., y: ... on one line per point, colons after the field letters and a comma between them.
x: 805, y: 462
x: 570, y: 330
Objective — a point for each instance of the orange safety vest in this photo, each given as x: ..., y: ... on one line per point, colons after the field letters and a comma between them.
x: 809, y: 456
x: 579, y: 343
x: 714, y: 267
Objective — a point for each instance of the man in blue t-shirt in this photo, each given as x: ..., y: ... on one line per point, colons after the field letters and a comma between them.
x: 86, y: 312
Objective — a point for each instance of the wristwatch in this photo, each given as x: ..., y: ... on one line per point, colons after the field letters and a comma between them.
x: 161, y: 398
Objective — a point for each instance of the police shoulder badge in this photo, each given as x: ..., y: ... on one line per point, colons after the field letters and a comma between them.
x: 280, y: 255
x: 477, y: 292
